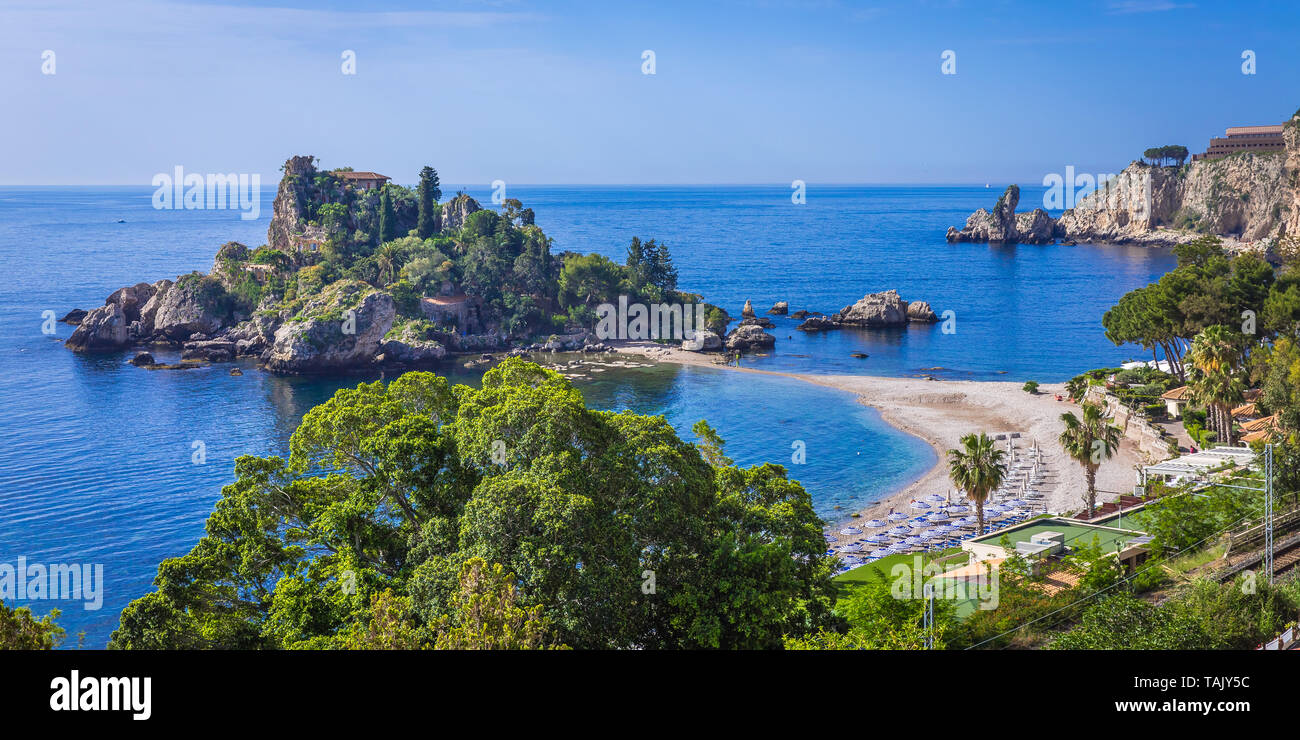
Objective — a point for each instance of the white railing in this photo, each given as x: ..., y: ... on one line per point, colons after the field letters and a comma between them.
x: 1283, y: 641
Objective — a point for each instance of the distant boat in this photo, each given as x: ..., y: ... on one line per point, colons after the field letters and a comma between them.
x: 121, y: 220
x: 986, y: 184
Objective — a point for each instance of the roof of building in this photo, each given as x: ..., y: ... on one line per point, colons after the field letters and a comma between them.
x: 1246, y: 409
x: 362, y: 176
x: 1238, y: 130
x: 1182, y: 393
x: 1259, y: 436
x: 1197, y: 463
x: 1255, y: 425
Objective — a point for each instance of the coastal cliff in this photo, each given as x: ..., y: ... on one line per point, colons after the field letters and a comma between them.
x: 1249, y: 197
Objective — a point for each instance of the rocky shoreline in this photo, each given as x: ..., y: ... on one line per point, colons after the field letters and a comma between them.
x: 1250, y: 199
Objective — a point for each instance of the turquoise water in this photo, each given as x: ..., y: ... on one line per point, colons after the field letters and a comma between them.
x: 96, y: 456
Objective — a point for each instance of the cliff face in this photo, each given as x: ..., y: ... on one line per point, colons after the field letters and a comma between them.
x: 289, y: 210
x: 1248, y: 197
x: 304, y: 191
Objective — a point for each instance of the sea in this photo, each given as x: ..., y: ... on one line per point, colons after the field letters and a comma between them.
x: 100, y: 463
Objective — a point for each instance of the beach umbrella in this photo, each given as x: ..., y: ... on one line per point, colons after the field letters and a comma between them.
x: 849, y: 531
x: 852, y: 547
x: 967, y: 520
x: 882, y: 552
x: 899, y: 532
x: 897, y: 516
x: 944, y: 529
x: 876, y: 524
x: 1015, y: 502
x: 935, y: 517
x: 829, y: 537
x: 920, y: 505
x: 878, y: 539
x: 935, y: 498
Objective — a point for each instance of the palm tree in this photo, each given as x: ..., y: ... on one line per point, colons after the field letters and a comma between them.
x: 1213, y: 381
x: 386, y: 258
x: 977, y: 469
x: 1090, y: 441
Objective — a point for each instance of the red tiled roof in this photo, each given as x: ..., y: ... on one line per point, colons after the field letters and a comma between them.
x: 362, y: 176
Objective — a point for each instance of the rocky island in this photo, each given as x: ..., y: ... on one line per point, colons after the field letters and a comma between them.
x: 885, y: 309
x: 359, y: 272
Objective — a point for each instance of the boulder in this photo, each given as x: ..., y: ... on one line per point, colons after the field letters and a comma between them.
x: 569, y: 342
x: 703, y: 341
x: 818, y: 323
x: 748, y: 311
x: 749, y: 337
x: 212, y: 350
x: 142, y: 359
x: 875, y: 309
x: 780, y: 308
x: 800, y: 314
x: 762, y: 321
x: 74, y: 316
x: 103, y: 328
x: 325, y: 336
x: 131, y: 299
x: 407, y: 347
x: 921, y: 311
x: 184, y: 311
x: 149, y: 311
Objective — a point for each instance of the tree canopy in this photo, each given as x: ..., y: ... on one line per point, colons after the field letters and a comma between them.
x: 1176, y: 153
x: 613, y: 531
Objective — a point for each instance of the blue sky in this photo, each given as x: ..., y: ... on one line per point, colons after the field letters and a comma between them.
x: 745, y: 91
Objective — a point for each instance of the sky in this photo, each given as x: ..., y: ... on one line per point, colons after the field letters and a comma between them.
x: 743, y: 91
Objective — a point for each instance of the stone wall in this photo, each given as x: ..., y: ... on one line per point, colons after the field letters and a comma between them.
x: 1148, y: 437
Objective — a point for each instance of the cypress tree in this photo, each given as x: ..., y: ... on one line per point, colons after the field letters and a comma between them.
x: 387, y: 218
x: 429, y: 195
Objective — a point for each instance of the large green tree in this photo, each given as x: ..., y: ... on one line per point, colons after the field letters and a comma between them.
x: 616, y: 530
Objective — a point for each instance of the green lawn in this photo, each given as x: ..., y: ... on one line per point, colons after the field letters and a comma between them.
x: 884, y: 565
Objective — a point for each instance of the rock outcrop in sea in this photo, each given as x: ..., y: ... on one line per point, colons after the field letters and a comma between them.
x: 874, y: 309
x: 1245, y: 197
x: 1004, y: 225
x: 749, y: 337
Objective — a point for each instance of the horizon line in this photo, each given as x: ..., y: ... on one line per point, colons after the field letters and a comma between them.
x: 488, y: 185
